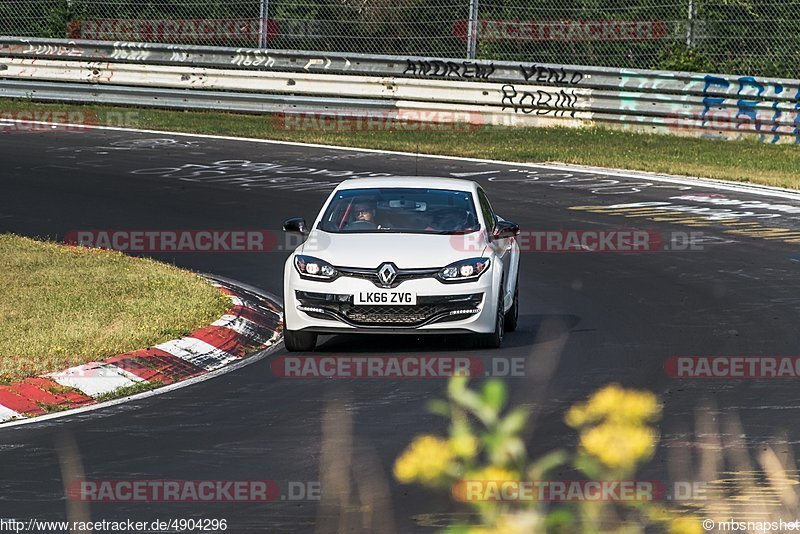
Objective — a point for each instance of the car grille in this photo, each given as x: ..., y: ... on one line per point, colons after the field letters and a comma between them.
x: 391, y: 314
x: 427, y: 310
x: 402, y: 274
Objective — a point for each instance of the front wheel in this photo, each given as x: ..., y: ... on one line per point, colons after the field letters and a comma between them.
x: 495, y: 339
x: 299, y: 341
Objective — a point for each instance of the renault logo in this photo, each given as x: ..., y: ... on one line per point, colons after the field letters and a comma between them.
x: 387, y: 272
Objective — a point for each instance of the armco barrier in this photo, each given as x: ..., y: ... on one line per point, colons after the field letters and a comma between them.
x: 515, y: 94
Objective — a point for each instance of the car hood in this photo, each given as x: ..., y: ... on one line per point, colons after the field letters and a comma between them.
x: 406, y: 251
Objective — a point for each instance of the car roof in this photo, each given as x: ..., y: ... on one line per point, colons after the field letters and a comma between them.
x: 427, y: 182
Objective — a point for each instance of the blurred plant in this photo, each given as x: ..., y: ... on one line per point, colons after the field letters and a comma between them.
x: 485, y: 447
x: 614, y: 429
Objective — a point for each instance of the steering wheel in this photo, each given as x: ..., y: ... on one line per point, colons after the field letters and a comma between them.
x: 364, y: 225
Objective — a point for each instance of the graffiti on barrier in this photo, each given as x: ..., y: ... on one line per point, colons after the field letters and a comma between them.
x: 252, y: 57
x: 543, y: 74
x: 179, y: 53
x: 557, y: 103
x: 719, y: 106
x: 448, y: 69
x: 70, y: 50
x: 130, y: 51
x: 750, y: 93
x: 318, y: 62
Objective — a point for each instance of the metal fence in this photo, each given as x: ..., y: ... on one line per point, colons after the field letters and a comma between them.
x: 746, y: 37
x: 321, y: 91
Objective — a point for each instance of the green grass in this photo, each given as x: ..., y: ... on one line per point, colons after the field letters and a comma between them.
x: 127, y: 391
x: 51, y: 408
x: 746, y: 161
x: 61, y: 306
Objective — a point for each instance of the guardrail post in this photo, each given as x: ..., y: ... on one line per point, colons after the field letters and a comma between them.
x: 472, y: 30
x: 690, y: 25
x: 262, y: 25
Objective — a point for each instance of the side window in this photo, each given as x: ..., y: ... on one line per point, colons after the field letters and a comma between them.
x: 486, y: 208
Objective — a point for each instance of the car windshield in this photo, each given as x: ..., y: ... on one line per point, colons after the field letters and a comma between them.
x: 401, y: 210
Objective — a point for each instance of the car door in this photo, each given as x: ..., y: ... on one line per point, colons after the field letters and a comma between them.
x: 505, y: 249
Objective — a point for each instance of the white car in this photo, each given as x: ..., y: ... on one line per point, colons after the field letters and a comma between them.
x: 402, y: 255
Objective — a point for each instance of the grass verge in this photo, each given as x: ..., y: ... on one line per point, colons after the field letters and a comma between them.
x: 745, y: 161
x: 63, y: 306
x: 127, y: 391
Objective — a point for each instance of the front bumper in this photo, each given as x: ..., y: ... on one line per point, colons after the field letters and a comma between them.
x: 327, y: 307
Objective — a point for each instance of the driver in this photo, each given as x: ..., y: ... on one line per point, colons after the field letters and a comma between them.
x: 364, y: 210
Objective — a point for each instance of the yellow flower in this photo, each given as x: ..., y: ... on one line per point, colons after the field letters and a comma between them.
x: 614, y: 403
x: 513, y: 523
x: 493, y: 473
x: 487, y: 474
x: 576, y: 416
x: 685, y: 525
x: 619, y: 445
x: 425, y: 460
x: 638, y: 407
x: 464, y: 446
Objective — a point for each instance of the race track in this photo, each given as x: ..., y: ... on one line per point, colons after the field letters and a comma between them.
x: 587, y: 319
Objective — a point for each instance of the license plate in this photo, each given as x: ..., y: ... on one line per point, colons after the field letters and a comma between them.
x: 386, y: 298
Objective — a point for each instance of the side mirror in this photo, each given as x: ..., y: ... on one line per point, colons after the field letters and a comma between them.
x: 504, y: 230
x: 296, y: 225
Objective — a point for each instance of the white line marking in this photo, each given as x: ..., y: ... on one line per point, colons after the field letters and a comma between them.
x: 197, y: 352
x: 95, y: 378
x: 710, y: 183
x: 465, y: 174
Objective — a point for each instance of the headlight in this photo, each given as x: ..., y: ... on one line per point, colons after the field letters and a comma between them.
x: 314, y: 268
x: 464, y: 271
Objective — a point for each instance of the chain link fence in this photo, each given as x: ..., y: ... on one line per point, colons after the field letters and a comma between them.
x: 746, y: 37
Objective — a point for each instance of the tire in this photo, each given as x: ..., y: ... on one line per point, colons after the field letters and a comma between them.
x: 512, y: 315
x: 299, y: 341
x: 495, y: 339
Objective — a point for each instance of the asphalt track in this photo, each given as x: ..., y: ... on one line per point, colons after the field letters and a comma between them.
x: 587, y: 319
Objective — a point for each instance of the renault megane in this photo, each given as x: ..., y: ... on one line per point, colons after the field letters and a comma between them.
x: 402, y: 255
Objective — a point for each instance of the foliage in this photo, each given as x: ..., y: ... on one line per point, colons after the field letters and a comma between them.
x: 745, y: 37
x: 60, y: 17
x: 679, y: 57
x: 485, y: 449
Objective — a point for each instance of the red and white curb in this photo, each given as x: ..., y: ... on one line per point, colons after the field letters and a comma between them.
x: 253, y: 323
